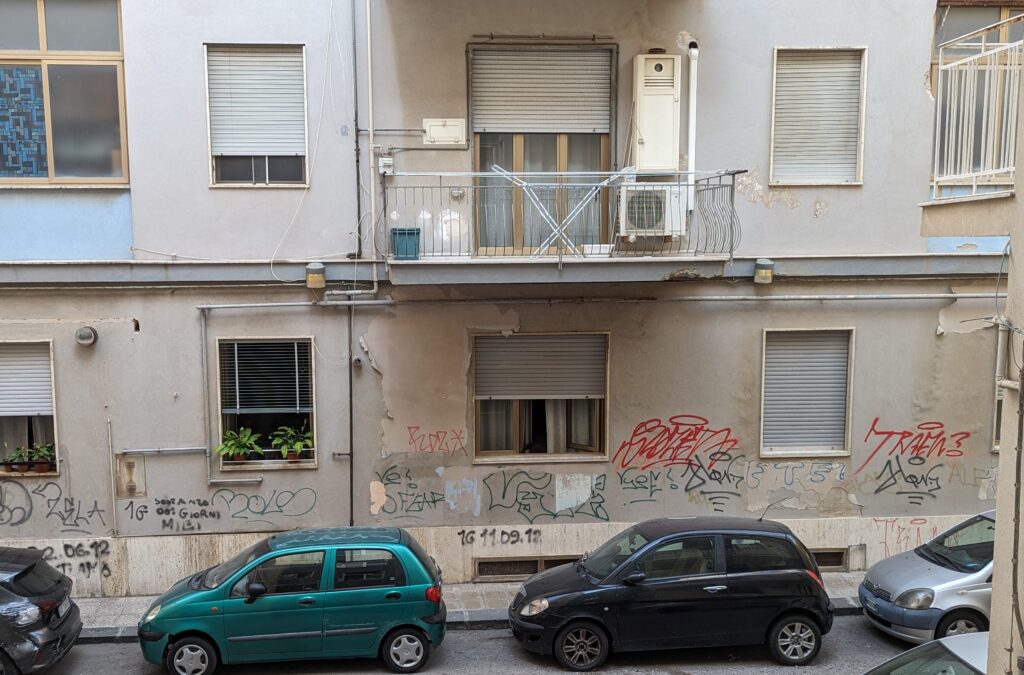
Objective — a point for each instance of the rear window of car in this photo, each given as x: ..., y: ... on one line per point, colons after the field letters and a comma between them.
x: 35, y: 580
x: 428, y: 563
x: 750, y: 553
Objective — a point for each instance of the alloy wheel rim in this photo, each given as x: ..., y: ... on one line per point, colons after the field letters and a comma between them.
x: 581, y: 647
x: 406, y: 651
x: 796, y: 641
x: 962, y: 626
x: 190, y: 660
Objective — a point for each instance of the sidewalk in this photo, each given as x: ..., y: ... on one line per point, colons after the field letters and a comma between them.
x: 470, y: 606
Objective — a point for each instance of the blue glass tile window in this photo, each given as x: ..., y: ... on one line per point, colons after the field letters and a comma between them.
x: 22, y: 122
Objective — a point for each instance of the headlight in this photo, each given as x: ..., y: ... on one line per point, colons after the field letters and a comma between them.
x: 28, y: 615
x: 534, y: 607
x: 917, y: 598
x: 151, y: 614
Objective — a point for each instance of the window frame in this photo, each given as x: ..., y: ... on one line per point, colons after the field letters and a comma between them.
x: 811, y: 451
x: 269, y: 464
x: 515, y: 457
x: 53, y: 397
x: 43, y: 58
x: 761, y: 536
x: 861, y: 122
x: 332, y: 579
x: 211, y: 161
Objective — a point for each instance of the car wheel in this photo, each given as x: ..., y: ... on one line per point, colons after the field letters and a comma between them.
x: 959, y: 622
x: 191, y: 656
x: 794, y: 640
x: 7, y: 666
x: 581, y: 646
x: 405, y: 650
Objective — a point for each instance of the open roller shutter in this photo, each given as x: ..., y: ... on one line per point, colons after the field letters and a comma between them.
x: 542, y: 90
x: 26, y: 387
x: 806, y: 375
x: 540, y: 366
x: 816, y: 118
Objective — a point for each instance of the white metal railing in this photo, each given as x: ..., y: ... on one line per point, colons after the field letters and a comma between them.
x: 976, y: 110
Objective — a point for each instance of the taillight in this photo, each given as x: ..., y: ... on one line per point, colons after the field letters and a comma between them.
x: 814, y: 575
x: 434, y: 594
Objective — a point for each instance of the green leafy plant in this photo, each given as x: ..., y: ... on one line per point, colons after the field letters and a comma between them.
x: 239, y: 443
x: 20, y: 454
x: 41, y: 452
x: 290, y: 440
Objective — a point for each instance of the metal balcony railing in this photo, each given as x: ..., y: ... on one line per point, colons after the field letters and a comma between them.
x: 976, y: 110
x: 438, y: 216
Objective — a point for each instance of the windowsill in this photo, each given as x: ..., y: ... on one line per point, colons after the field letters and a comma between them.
x: 855, y: 183
x: 269, y: 465
x: 28, y: 474
x: 543, y: 458
x: 803, y: 452
x: 984, y: 196
x: 271, y: 186
x: 65, y: 186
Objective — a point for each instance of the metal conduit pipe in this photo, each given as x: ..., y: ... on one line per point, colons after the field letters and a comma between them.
x: 311, y: 303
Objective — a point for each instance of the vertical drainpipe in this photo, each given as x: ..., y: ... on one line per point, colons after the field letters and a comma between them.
x: 355, y: 131
x: 691, y: 120
x: 205, y: 397
x: 351, y: 423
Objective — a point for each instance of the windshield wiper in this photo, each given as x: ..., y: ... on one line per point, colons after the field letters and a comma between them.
x: 581, y: 563
x: 943, y: 558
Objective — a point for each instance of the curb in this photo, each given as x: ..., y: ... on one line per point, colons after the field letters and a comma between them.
x: 458, y: 619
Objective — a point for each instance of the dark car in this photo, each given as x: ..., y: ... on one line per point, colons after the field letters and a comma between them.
x: 678, y: 582
x: 38, y: 620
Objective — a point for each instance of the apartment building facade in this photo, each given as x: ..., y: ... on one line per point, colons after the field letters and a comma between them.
x: 536, y: 318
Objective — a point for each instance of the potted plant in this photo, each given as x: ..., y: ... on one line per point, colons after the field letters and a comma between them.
x: 41, y: 456
x: 239, y: 445
x: 291, y: 441
x: 8, y: 460
x: 19, y: 458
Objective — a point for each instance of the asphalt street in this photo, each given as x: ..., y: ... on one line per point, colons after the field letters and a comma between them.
x: 852, y: 647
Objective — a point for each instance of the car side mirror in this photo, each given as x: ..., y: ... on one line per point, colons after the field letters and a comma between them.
x: 634, y: 577
x: 255, y: 589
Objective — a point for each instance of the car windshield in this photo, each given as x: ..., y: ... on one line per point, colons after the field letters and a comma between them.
x: 219, y: 574
x: 966, y: 548
x: 930, y: 659
x: 35, y: 580
x: 614, y: 552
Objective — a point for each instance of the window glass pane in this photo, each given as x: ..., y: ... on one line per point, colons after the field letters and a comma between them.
x: 582, y: 423
x: 494, y: 202
x: 233, y: 170
x: 759, y: 554
x: 969, y: 547
x: 1015, y: 31
x: 695, y: 555
x: 293, y: 573
x: 585, y: 156
x: 285, y: 169
x: 22, y: 122
x: 367, y: 568
x: 617, y: 550
x: 539, y: 154
x: 85, y: 110
x: 495, y: 430
x: 952, y: 22
x: 82, y: 25
x: 39, y: 579
x: 24, y: 432
x: 19, y: 24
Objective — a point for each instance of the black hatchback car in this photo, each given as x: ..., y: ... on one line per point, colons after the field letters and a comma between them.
x: 678, y: 582
x: 39, y: 622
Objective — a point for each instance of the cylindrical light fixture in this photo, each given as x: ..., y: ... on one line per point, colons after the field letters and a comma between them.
x: 316, y: 275
x: 764, y: 270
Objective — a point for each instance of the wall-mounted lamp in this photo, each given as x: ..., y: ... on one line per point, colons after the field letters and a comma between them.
x: 316, y: 275
x: 86, y: 336
x: 764, y: 270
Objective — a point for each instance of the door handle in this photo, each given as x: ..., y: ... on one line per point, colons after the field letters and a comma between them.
x: 307, y: 601
x: 715, y: 589
x: 393, y: 595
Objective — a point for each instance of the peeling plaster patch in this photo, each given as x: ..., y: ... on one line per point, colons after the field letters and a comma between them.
x: 463, y: 496
x: 967, y: 315
x: 684, y: 38
x: 369, y: 355
x: 572, y: 490
x: 378, y: 496
x: 820, y: 207
x: 928, y: 85
x: 749, y: 186
x: 852, y: 497
x: 987, y: 484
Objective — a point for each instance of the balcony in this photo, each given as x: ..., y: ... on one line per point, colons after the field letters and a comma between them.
x: 453, y: 217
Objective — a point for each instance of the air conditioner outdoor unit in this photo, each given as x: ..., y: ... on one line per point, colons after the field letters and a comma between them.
x: 652, y: 210
x: 657, y: 95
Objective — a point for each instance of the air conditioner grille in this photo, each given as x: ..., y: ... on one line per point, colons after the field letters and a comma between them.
x: 659, y: 81
x: 645, y: 210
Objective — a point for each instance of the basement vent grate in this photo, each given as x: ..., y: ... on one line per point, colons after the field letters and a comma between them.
x: 515, y: 569
x: 830, y: 559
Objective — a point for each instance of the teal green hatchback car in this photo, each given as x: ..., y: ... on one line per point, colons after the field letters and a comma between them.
x: 307, y: 594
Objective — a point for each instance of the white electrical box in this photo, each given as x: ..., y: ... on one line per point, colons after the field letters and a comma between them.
x: 657, y: 97
x: 444, y: 131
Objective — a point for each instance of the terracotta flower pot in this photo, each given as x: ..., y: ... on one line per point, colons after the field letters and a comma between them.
x: 42, y: 466
x: 8, y: 468
x: 291, y: 455
x: 21, y: 467
x: 241, y: 457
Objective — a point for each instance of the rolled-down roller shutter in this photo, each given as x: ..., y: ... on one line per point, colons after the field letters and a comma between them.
x: 817, y: 115
x: 540, y: 366
x: 26, y: 387
x: 542, y: 90
x: 806, y: 377
x: 257, y: 100
x: 266, y: 377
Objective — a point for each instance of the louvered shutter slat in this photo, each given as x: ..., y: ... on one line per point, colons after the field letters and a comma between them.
x: 805, y: 390
x: 817, y: 113
x: 257, y: 101
x: 541, y: 91
x: 265, y: 377
x: 26, y: 387
x: 540, y: 367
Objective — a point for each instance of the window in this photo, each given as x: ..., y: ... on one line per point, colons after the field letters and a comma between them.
x: 817, y: 116
x: 683, y: 558
x: 542, y: 109
x: 257, y: 98
x: 266, y: 388
x: 540, y: 395
x: 805, y: 392
x: 967, y: 547
x: 367, y: 568
x: 61, y: 92
x: 26, y: 407
x: 760, y: 554
x: 617, y: 550
x: 291, y: 573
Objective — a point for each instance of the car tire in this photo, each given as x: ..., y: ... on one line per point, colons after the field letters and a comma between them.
x: 581, y: 646
x: 959, y: 622
x: 7, y: 666
x: 405, y: 650
x: 794, y: 640
x: 191, y: 655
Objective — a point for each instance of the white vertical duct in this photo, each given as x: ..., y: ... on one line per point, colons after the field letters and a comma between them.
x: 691, y: 121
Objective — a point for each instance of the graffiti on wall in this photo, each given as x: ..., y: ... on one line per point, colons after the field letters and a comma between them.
x: 657, y: 443
x: 530, y: 495
x: 82, y: 559
x: 441, y: 441
x: 73, y: 514
x: 928, y: 441
x: 899, y: 535
x: 396, y: 493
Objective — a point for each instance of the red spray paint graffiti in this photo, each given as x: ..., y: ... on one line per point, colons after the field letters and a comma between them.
x: 928, y: 440
x: 447, y: 442
x: 675, y: 442
x: 899, y: 535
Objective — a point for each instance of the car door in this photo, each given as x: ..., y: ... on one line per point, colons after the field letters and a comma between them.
x: 765, y: 577
x: 288, y: 617
x: 678, y: 601
x: 367, y: 596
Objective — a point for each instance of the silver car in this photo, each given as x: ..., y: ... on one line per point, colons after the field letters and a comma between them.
x: 941, y: 588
